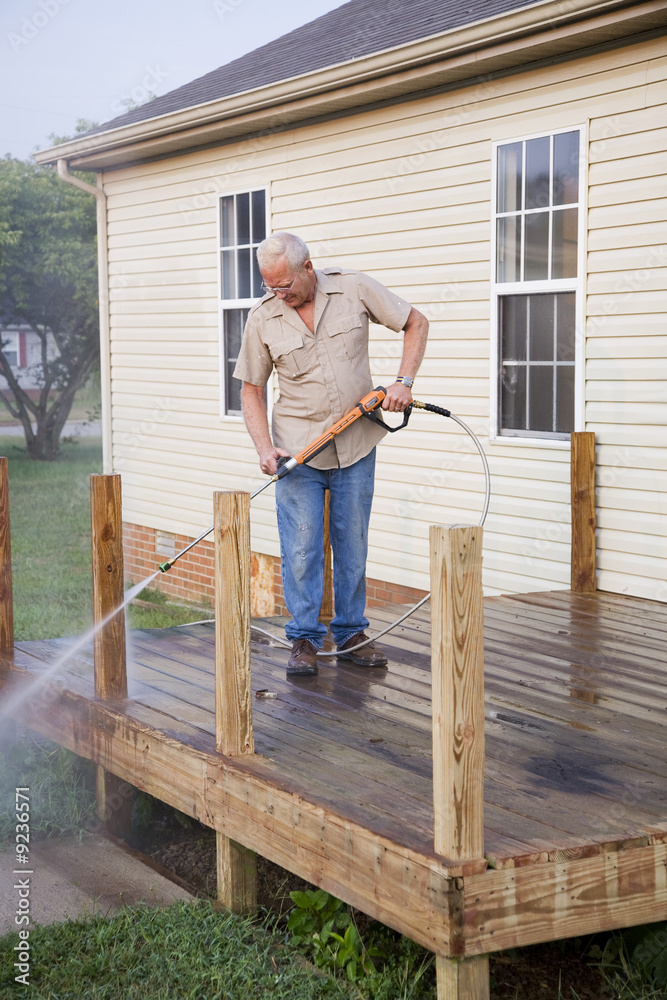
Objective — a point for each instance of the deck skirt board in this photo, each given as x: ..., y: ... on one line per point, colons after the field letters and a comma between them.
x: 576, y: 776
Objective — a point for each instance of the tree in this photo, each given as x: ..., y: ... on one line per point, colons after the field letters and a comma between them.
x: 48, y: 281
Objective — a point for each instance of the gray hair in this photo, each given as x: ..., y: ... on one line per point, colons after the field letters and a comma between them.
x: 286, y: 245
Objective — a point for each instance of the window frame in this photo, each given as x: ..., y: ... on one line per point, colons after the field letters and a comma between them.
x: 226, y: 305
x: 499, y: 289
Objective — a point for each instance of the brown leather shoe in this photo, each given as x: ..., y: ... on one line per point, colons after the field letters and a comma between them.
x: 368, y: 656
x: 302, y: 659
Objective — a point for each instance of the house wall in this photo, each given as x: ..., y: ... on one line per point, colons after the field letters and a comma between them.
x: 404, y: 193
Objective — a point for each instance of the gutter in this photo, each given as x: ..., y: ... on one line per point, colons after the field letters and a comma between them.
x: 511, y: 33
x: 103, y: 292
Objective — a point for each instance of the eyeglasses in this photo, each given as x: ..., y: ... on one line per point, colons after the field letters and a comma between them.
x: 280, y: 288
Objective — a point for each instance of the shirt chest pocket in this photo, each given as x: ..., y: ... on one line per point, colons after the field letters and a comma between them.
x: 349, y: 335
x: 290, y: 356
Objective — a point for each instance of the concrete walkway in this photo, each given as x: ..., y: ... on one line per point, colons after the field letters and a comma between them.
x: 74, y: 878
x: 73, y: 428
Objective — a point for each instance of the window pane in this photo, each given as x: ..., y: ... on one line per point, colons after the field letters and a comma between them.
x: 541, y: 398
x: 537, y: 246
x: 537, y: 173
x: 256, y: 277
x: 566, y: 333
x: 541, y: 325
x: 12, y: 356
x: 564, y: 252
x: 509, y: 249
x: 233, y: 323
x: 566, y: 168
x: 510, y: 174
x: 565, y: 398
x: 242, y: 219
x: 258, y: 216
x: 228, y: 264
x: 513, y: 327
x: 243, y: 264
x: 513, y: 397
x: 227, y: 212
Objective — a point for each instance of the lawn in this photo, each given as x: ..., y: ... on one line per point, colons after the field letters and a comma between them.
x: 50, y: 537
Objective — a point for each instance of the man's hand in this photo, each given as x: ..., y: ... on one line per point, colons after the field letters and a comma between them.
x: 268, y: 459
x: 398, y: 398
x: 415, y: 334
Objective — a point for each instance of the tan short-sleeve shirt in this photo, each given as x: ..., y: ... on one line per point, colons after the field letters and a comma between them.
x: 321, y: 376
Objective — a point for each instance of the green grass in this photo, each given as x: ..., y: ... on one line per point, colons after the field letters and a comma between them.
x: 62, y: 789
x: 50, y: 537
x: 188, y: 950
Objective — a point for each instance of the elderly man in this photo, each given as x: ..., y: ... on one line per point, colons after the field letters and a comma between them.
x: 312, y: 326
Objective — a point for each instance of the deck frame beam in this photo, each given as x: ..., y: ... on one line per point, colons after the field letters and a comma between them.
x: 451, y: 913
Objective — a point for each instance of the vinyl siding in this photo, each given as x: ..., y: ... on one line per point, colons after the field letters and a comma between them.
x: 404, y: 193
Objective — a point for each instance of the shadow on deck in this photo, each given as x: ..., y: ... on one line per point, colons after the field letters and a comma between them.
x: 340, y: 789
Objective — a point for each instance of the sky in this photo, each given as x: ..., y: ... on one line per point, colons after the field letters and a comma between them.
x: 62, y: 60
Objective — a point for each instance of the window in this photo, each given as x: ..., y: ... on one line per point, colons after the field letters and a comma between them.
x: 10, y: 347
x: 536, y: 283
x: 242, y: 227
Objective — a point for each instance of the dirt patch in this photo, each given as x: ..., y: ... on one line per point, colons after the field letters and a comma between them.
x: 541, y: 972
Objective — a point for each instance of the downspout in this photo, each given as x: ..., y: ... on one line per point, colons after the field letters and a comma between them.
x: 103, y: 283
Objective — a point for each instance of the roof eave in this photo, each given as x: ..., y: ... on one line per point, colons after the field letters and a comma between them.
x: 522, y: 36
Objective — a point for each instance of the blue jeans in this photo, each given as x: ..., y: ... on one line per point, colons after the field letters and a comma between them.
x: 300, y: 506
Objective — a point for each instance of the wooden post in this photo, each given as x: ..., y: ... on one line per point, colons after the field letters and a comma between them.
x: 114, y: 804
x: 457, y: 678
x: 236, y: 865
x: 6, y: 594
x: 327, y: 609
x: 582, y: 490
x: 108, y: 586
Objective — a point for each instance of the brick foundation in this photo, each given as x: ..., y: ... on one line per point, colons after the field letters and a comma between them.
x: 192, y: 578
x: 190, y: 581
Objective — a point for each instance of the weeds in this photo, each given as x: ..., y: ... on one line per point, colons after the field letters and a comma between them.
x: 633, y: 962
x: 62, y: 789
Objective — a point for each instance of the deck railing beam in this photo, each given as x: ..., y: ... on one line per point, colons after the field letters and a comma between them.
x: 236, y: 865
x: 6, y: 598
x: 582, y: 489
x: 114, y: 797
x: 457, y: 679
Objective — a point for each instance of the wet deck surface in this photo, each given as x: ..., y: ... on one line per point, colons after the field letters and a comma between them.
x: 576, y: 692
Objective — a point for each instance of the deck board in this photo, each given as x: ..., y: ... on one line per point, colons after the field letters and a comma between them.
x: 576, y: 691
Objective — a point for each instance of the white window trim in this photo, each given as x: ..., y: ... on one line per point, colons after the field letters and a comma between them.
x: 224, y: 304
x: 528, y: 287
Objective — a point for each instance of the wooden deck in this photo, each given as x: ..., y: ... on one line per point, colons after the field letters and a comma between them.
x: 340, y: 789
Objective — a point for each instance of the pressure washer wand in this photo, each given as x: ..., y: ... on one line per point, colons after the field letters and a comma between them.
x: 370, y: 402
